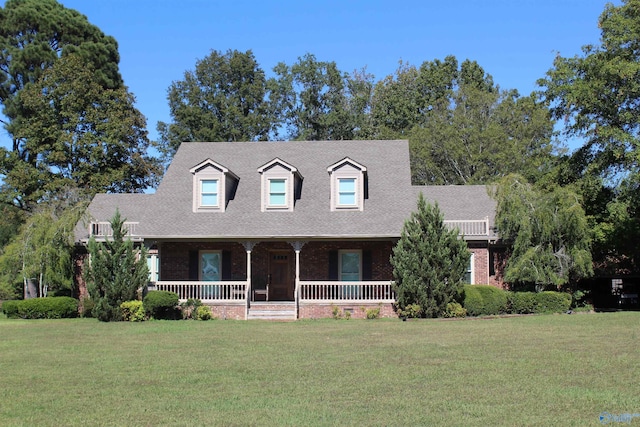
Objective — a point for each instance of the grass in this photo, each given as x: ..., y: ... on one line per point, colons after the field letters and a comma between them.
x: 531, y: 370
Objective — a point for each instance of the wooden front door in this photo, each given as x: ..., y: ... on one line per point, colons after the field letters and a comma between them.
x: 280, y: 276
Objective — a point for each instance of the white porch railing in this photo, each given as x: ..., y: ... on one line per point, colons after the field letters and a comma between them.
x: 326, y: 291
x: 205, y: 291
x: 103, y: 229
x: 471, y: 227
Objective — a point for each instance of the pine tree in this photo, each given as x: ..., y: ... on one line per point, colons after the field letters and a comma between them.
x: 117, y: 270
x: 429, y: 262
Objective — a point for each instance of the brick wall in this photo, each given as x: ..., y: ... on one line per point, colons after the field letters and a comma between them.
x: 358, y: 311
x: 174, y: 258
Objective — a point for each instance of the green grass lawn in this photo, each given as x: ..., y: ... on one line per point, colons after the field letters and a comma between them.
x: 531, y: 370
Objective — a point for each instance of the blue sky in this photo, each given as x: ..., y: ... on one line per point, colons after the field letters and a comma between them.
x: 513, y: 40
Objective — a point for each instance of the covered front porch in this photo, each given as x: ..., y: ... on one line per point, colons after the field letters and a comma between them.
x: 308, y: 278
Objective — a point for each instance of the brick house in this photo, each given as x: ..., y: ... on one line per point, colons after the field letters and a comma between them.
x: 290, y: 229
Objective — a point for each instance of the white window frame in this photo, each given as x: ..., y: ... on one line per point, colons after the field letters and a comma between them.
x: 201, y: 193
x: 210, y: 171
x: 347, y: 169
x: 287, y: 202
x: 471, y: 270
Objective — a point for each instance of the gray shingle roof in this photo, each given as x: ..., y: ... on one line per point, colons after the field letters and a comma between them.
x: 169, y: 214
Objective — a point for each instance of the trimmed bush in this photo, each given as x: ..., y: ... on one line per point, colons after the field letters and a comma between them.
x: 454, y: 309
x: 132, y: 311
x: 485, y: 300
x: 552, y: 302
x: 203, y: 312
x: 10, y: 309
x: 162, y: 305
x: 522, y: 302
x: 42, y: 308
x: 473, y: 301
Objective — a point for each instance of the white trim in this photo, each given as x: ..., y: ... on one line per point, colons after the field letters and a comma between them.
x: 472, y: 269
x: 347, y: 169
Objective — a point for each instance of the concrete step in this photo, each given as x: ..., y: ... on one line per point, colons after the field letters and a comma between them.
x: 272, y: 311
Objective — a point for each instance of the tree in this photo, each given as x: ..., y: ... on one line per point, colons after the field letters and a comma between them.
x: 116, y: 271
x: 40, y: 255
x: 314, y: 98
x: 596, y: 94
x: 461, y: 127
x: 429, y: 262
x: 77, y: 134
x: 547, y: 233
x: 226, y: 98
x: 34, y: 35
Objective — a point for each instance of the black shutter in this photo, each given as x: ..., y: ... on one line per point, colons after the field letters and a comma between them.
x: 333, y: 265
x: 367, y: 265
x: 193, y: 265
x: 226, y: 265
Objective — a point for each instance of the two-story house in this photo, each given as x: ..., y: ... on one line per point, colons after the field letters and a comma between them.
x: 293, y: 229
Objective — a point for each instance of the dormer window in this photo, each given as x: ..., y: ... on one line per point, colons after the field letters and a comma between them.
x: 348, y: 185
x: 277, y: 192
x: 209, y: 193
x: 213, y: 186
x: 281, y: 183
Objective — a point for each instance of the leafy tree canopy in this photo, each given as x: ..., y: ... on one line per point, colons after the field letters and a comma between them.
x: 461, y: 127
x: 429, y: 262
x: 77, y: 134
x: 547, y: 232
x: 34, y: 34
x: 226, y: 98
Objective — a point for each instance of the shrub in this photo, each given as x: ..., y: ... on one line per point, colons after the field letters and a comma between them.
x: 485, y: 300
x: 473, y: 301
x: 372, y: 313
x: 189, y: 308
x: 552, y: 302
x: 203, y: 313
x: 162, y: 305
x: 454, y: 309
x: 86, y: 307
x: 10, y: 309
x: 41, y: 308
x: 522, y: 302
x: 132, y: 311
x: 410, y: 311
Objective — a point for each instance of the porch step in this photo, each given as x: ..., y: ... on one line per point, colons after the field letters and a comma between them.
x: 272, y: 311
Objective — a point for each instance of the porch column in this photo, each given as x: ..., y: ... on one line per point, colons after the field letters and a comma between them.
x: 248, y: 246
x: 297, y: 247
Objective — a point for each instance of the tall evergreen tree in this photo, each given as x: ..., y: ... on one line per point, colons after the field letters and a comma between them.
x: 116, y: 271
x: 429, y: 262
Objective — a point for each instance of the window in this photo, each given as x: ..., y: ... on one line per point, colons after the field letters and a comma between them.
x: 278, y: 192
x: 468, y: 275
x: 209, y: 193
x: 213, y: 186
x: 348, y: 185
x: 350, y: 269
x: 210, y: 266
x: 346, y: 192
x: 280, y: 184
x: 153, y: 265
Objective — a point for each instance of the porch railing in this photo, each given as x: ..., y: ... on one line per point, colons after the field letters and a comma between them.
x: 103, y: 229
x: 471, y: 227
x: 326, y: 291
x: 205, y: 291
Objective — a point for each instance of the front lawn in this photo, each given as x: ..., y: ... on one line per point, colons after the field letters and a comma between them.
x: 531, y: 370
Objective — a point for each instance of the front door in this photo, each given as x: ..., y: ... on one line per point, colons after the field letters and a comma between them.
x: 280, y: 277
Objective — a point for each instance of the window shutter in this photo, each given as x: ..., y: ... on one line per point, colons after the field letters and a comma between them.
x: 226, y: 265
x: 193, y: 265
x: 367, y: 265
x: 333, y: 265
